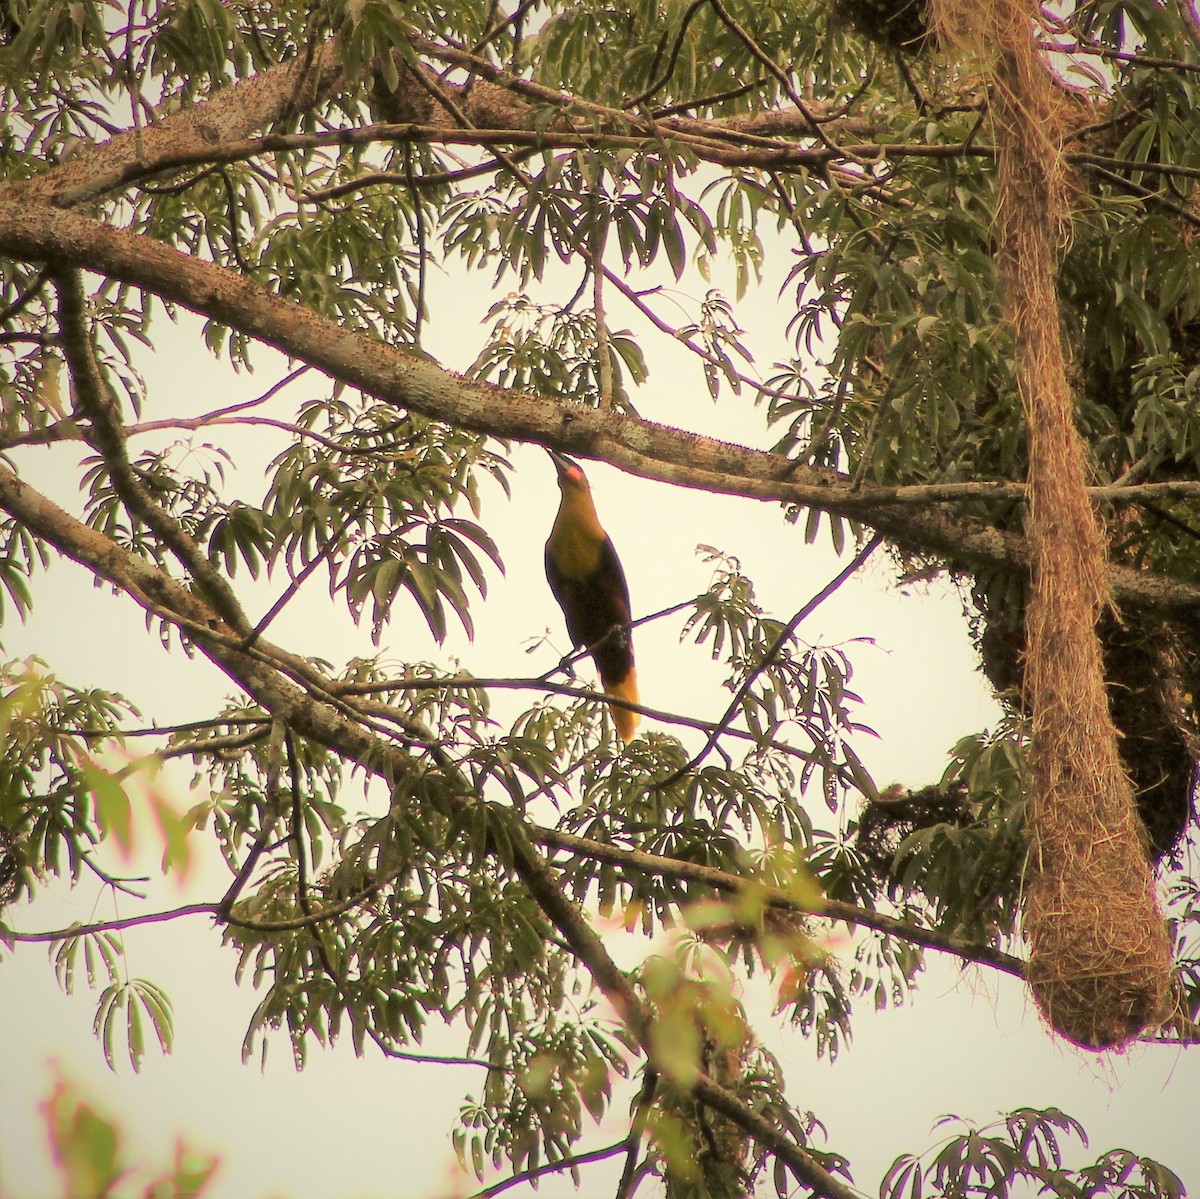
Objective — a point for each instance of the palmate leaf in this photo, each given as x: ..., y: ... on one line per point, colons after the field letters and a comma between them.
x: 99, y: 949
x: 992, y: 1162
x: 431, y: 572
x: 243, y: 534
x: 378, y: 516
x: 139, y: 1000
x: 48, y: 732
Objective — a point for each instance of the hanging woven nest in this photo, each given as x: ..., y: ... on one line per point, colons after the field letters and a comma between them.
x: 1099, y: 966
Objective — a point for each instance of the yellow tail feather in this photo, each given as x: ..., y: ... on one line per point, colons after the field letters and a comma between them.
x: 625, y: 720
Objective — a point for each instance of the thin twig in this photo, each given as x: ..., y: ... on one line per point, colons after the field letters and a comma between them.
x: 294, y: 586
x: 25, y: 295
x: 785, y: 635
x: 124, y: 922
x: 117, y: 884
x: 503, y: 23
x: 271, y: 812
x: 555, y: 1167
x: 604, y: 379
x: 658, y: 83
x: 780, y: 74
x: 637, y: 1129
x: 422, y: 246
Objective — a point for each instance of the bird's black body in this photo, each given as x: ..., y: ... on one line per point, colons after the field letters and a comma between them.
x: 596, y: 607
x: 586, y: 578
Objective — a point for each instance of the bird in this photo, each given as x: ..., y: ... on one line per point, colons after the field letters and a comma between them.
x: 585, y: 575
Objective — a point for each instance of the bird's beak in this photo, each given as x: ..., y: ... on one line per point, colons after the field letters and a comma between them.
x: 561, y: 462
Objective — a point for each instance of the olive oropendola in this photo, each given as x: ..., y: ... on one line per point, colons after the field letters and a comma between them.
x: 585, y: 575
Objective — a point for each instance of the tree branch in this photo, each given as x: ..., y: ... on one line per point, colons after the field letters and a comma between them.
x: 637, y: 1130
x: 575, y: 692
x: 97, y: 404
x: 230, y: 115
x: 500, y: 110
x: 106, y: 926
x: 828, y: 909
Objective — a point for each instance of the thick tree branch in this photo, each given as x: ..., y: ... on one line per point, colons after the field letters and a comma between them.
x: 230, y: 115
x: 217, y: 129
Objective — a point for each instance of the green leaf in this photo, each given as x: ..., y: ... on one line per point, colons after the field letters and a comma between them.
x: 86, y: 1145
x: 114, y: 813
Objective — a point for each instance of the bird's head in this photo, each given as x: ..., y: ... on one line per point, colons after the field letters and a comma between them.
x: 570, y: 473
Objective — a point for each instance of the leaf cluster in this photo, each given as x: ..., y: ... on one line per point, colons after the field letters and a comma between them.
x: 377, y: 512
x: 92, y: 1160
x: 645, y: 138
x: 1026, y: 1148
x: 50, y: 810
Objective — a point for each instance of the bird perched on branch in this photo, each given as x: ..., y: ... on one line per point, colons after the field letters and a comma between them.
x: 587, y: 580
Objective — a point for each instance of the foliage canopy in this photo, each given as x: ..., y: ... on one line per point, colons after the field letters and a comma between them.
x: 295, y: 174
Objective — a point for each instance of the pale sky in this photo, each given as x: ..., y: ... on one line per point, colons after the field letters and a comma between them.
x: 348, y: 1127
